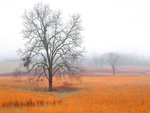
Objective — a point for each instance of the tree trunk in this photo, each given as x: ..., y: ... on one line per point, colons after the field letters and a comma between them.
x: 50, y: 82
x: 113, y: 71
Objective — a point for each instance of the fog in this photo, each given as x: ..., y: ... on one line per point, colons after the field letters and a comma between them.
x: 119, y: 26
x: 8, y: 66
x: 102, y: 60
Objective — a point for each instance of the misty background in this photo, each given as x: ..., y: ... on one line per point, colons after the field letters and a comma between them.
x: 118, y: 26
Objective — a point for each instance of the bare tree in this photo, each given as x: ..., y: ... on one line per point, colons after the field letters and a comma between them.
x: 98, y: 61
x: 101, y: 61
x: 53, y: 46
x: 113, y: 60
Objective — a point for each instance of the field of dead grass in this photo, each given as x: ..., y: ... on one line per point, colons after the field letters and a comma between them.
x: 90, y: 94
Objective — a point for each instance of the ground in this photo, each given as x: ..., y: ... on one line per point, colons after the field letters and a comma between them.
x: 88, y: 94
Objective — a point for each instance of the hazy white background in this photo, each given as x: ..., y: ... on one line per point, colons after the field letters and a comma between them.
x: 109, y: 25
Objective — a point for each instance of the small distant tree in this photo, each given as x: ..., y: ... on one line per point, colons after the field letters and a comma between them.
x: 101, y: 61
x: 113, y: 60
x: 53, y: 46
x: 98, y: 61
x: 95, y: 61
x: 16, y: 73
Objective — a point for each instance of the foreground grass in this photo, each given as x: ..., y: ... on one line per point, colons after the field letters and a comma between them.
x: 91, y: 95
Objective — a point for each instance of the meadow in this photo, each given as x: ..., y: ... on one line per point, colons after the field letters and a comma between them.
x: 88, y: 94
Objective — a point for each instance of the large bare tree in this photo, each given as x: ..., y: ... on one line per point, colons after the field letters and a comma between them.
x: 113, y: 60
x: 53, y: 46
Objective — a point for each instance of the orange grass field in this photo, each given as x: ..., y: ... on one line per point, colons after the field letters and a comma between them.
x: 89, y: 94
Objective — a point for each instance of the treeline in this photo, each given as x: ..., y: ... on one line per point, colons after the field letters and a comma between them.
x: 107, y: 59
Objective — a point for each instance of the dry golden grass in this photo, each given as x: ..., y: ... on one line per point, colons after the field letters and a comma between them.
x: 92, y: 94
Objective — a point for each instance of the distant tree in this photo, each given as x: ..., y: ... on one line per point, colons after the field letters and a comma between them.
x: 95, y: 61
x: 113, y: 60
x: 53, y: 46
x: 101, y: 61
x: 98, y: 61
x: 16, y: 73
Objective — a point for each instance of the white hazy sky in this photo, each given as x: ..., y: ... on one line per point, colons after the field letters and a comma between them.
x: 109, y: 25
